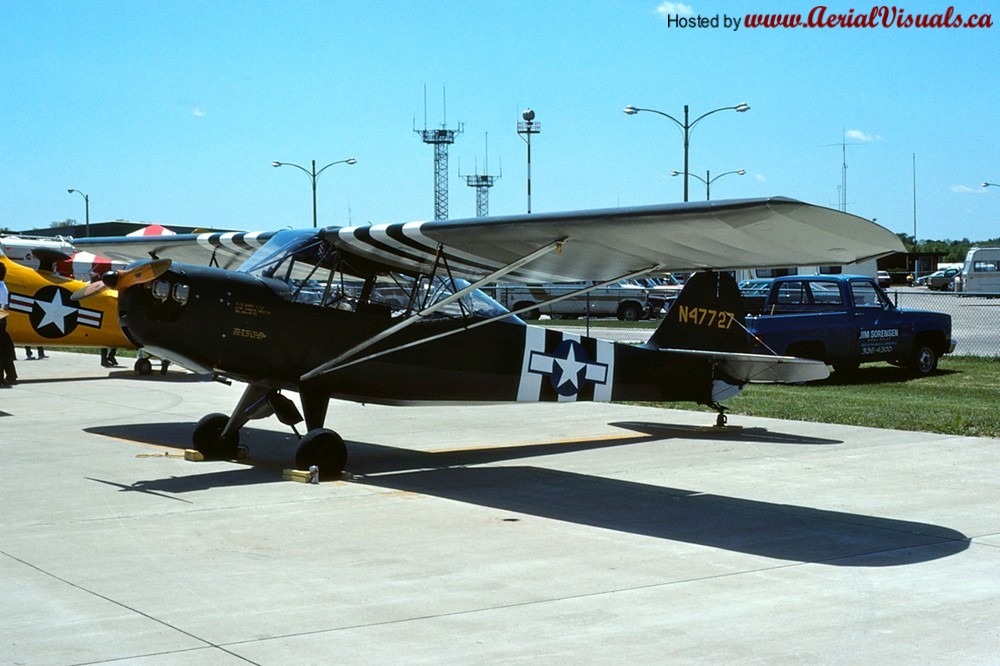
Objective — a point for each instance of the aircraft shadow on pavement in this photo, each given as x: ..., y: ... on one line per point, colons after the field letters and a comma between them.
x: 778, y: 531
x: 170, y: 377
x: 655, y: 431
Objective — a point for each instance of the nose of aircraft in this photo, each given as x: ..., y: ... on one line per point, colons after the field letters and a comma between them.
x: 133, y: 274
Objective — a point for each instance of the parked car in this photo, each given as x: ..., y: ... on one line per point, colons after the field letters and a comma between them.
x: 884, y: 279
x: 663, y: 291
x: 754, y: 294
x: 943, y: 280
x: 627, y: 301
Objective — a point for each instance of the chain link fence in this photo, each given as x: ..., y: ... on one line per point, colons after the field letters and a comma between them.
x: 975, y: 320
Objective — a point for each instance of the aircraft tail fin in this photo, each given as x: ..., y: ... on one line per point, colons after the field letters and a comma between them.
x: 708, y: 316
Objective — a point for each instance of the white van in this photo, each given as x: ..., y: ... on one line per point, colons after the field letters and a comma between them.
x: 980, y: 272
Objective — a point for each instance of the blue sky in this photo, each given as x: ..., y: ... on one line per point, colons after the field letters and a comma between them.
x: 172, y: 112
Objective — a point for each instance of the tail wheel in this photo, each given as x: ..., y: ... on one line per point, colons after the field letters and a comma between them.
x: 209, y: 441
x: 143, y: 366
x: 325, y: 449
x: 923, y: 360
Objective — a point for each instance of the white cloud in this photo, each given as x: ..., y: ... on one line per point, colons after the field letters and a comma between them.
x: 666, y: 9
x: 760, y: 178
x: 197, y: 111
x: 858, y: 135
x: 965, y: 189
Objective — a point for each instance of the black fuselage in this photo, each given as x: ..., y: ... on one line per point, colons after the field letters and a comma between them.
x: 249, y: 328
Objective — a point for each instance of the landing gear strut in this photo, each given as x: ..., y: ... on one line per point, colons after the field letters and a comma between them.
x: 217, y: 436
x: 720, y: 420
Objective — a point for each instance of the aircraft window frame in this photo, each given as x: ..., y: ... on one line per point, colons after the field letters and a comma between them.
x: 313, y: 271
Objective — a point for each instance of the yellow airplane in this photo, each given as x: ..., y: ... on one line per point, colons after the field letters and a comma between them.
x: 42, y: 312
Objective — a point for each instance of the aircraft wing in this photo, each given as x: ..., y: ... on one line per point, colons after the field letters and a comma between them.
x: 606, y: 244
x: 227, y: 249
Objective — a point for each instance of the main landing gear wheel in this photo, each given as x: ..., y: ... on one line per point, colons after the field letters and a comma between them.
x: 209, y: 441
x: 143, y: 366
x: 325, y: 449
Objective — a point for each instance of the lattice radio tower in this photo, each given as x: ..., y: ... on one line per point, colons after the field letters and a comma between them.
x: 440, y: 139
x: 482, y: 183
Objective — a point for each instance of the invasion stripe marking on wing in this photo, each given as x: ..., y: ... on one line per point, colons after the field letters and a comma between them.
x: 358, y: 240
x: 405, y: 245
x: 414, y: 230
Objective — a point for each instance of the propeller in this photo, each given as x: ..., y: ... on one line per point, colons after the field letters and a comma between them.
x: 133, y: 274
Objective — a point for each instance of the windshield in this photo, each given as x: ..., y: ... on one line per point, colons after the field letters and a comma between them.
x: 316, y: 273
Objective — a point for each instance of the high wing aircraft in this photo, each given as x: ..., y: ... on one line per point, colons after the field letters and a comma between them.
x: 392, y: 313
x: 42, y: 312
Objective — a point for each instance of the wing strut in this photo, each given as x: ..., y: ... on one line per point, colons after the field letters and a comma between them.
x: 392, y: 330
x: 343, y: 361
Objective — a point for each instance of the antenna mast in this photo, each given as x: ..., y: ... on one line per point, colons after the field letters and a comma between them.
x: 482, y: 183
x: 440, y: 139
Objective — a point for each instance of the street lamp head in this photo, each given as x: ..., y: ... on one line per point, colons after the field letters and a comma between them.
x: 630, y: 110
x: 350, y: 160
x: 276, y: 164
x: 71, y: 190
x: 742, y: 172
x: 742, y: 107
x: 675, y: 173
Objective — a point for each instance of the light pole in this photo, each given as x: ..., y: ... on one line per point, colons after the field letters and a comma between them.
x: 313, y: 175
x: 708, y: 180
x: 525, y: 128
x: 687, y: 126
x: 86, y: 204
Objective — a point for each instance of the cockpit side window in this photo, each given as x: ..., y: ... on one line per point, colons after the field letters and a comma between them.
x: 316, y: 273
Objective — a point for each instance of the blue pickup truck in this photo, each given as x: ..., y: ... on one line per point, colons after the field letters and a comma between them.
x: 844, y: 320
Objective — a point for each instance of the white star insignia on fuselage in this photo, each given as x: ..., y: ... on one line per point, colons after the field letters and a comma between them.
x: 55, y: 311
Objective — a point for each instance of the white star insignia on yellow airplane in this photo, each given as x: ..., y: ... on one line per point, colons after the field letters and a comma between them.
x: 55, y: 311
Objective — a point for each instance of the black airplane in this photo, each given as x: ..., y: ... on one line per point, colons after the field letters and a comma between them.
x: 394, y: 313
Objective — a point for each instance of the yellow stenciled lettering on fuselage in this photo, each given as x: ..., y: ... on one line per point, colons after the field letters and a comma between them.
x: 708, y: 317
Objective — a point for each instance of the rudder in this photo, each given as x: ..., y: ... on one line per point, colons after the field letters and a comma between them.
x: 708, y: 315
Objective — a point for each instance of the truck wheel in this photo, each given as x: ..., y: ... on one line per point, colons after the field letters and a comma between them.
x: 923, y: 360
x: 629, y: 312
x: 847, y: 368
x: 528, y: 314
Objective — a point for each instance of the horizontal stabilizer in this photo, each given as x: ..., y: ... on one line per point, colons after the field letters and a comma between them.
x: 762, y: 368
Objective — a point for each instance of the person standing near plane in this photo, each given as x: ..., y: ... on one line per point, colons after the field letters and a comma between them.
x: 30, y: 357
x: 8, y: 374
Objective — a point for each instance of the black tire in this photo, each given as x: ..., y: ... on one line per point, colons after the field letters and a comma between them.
x: 846, y: 369
x: 143, y: 366
x: 923, y: 360
x: 527, y: 314
x: 629, y: 312
x: 325, y: 449
x: 208, y: 438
